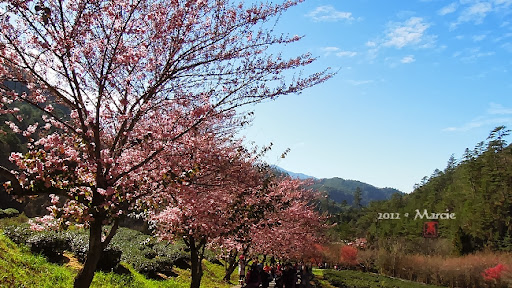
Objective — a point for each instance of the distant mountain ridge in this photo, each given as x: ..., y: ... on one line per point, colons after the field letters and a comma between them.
x: 339, y: 189
x: 293, y: 174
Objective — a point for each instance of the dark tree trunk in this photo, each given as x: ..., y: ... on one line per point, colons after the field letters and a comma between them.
x: 231, y: 265
x: 85, y: 276
x: 196, y: 259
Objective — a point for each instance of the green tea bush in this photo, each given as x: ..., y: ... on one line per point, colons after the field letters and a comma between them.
x: 11, y: 212
x: 51, y: 244
x: 79, y: 244
x: 356, y: 279
x: 10, y: 221
x: 143, y: 252
x: 19, y: 234
x: 152, y: 268
x: 109, y: 259
x: 8, y: 213
x: 212, y: 257
x: 149, y: 256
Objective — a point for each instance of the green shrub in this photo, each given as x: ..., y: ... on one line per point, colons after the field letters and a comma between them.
x: 8, y: 213
x: 79, y: 246
x: 19, y: 234
x: 356, y: 279
x: 20, y: 268
x: 151, y: 268
x: 11, y: 212
x: 149, y: 256
x: 18, y: 220
x: 51, y: 244
x: 109, y: 259
x: 212, y: 257
x: 146, y: 255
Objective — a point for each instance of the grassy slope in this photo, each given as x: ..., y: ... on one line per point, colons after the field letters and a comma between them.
x: 19, y: 268
x: 356, y: 279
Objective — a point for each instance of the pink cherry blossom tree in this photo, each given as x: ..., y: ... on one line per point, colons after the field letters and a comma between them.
x: 208, y: 206
x: 296, y: 224
x: 137, y: 77
x: 288, y: 228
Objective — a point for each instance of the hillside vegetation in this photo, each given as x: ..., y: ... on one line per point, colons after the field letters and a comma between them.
x: 348, y: 278
x: 20, y: 267
x: 476, y: 190
x: 340, y: 190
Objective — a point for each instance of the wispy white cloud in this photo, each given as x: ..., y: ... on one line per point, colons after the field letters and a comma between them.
x: 498, y: 109
x: 502, y: 37
x: 408, y: 59
x: 346, y: 54
x: 479, y: 122
x: 475, y: 13
x: 371, y: 44
x: 478, y: 38
x: 359, y: 82
x: 409, y: 33
x: 338, y: 52
x: 448, y: 9
x: 372, y: 54
x: 329, y: 14
x: 496, y: 114
x: 470, y: 55
x: 329, y: 50
x: 507, y: 46
x: 502, y: 3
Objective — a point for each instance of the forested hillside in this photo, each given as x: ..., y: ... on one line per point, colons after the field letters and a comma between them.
x: 340, y: 190
x: 341, y: 193
x: 476, y: 190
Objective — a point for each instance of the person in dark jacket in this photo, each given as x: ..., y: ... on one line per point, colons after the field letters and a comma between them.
x: 289, y: 276
x: 265, y: 276
x: 253, y: 278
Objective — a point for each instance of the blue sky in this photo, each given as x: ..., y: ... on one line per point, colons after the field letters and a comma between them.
x: 418, y: 80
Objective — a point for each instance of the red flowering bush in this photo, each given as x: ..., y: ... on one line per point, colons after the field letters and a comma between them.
x: 349, y: 255
x: 494, y: 273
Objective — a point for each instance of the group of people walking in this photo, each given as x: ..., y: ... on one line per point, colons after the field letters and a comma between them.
x: 262, y: 274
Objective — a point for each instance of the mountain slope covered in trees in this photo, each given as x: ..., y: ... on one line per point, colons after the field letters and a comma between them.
x: 477, y: 189
x: 341, y: 191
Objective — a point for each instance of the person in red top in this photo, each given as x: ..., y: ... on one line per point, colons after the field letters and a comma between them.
x: 266, y: 268
x: 265, y: 276
x: 241, y: 269
x: 278, y: 276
